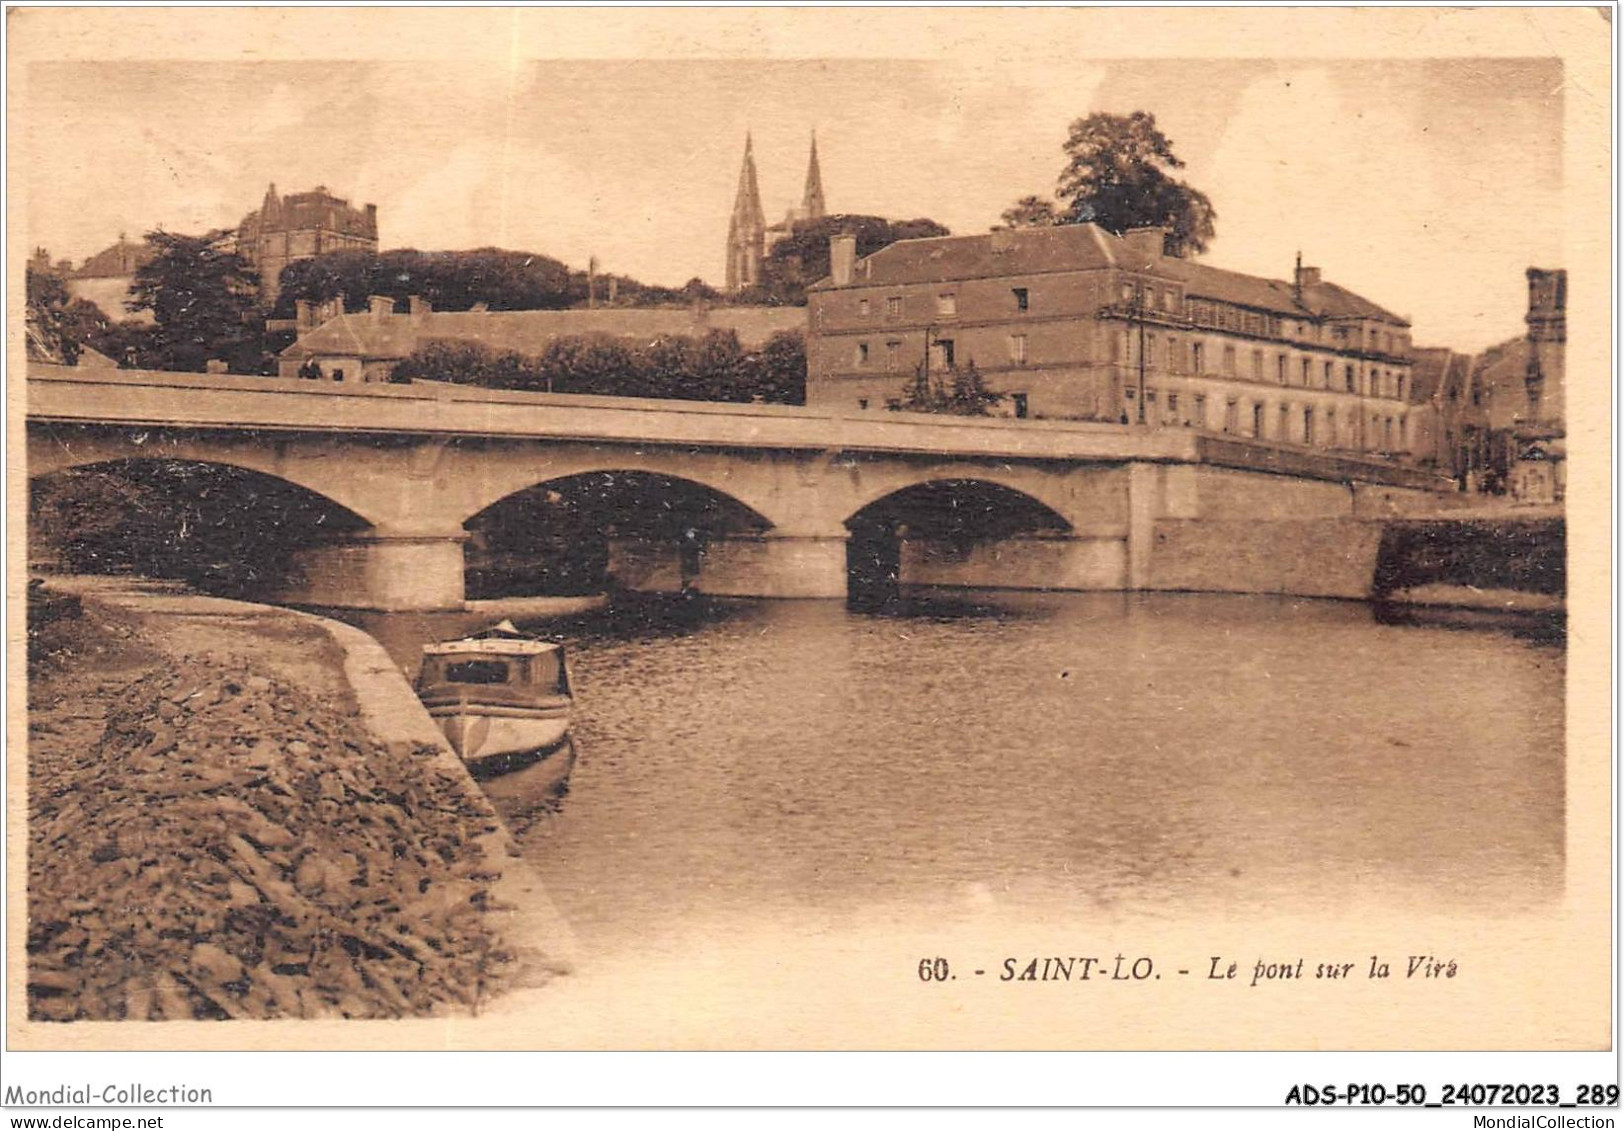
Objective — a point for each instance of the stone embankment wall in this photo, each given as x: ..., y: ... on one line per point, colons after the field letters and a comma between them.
x: 1526, y: 555
x: 210, y: 841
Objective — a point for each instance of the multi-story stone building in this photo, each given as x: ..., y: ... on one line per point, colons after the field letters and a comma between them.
x: 1074, y: 322
x: 302, y: 225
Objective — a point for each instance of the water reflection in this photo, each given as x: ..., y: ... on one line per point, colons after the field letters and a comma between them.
x: 1101, y: 753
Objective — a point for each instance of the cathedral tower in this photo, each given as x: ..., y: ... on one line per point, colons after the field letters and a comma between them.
x: 812, y: 199
x: 747, y: 230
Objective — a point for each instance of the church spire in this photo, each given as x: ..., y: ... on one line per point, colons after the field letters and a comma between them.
x: 747, y: 230
x: 812, y: 207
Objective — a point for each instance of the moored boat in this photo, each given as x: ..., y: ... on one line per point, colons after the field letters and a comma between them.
x: 502, y: 699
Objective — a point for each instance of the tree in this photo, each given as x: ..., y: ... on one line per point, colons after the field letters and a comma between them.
x: 204, y: 299
x: 469, y: 363
x: 60, y: 327
x: 449, y: 280
x: 1029, y: 212
x: 1117, y: 175
x: 711, y: 368
x: 49, y: 335
x: 957, y: 392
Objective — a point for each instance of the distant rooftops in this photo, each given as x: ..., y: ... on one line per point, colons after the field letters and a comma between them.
x: 124, y: 258
x: 1081, y: 247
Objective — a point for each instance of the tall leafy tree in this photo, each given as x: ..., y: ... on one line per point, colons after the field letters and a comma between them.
x: 1030, y: 212
x: 204, y: 299
x: 1118, y: 175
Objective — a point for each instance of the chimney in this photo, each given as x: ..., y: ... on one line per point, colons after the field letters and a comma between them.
x: 417, y: 306
x: 1307, y: 276
x: 1146, y: 244
x: 372, y: 220
x: 304, y: 318
x: 842, y: 255
x: 381, y: 305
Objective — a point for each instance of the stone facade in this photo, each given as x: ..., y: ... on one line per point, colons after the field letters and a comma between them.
x: 1501, y: 415
x: 1073, y: 322
x: 301, y: 226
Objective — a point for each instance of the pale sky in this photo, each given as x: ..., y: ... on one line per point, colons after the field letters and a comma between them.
x: 1427, y: 185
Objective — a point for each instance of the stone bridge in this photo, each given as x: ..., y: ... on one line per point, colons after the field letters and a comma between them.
x: 1126, y: 508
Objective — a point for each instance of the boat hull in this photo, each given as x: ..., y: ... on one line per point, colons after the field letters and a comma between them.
x: 483, y: 732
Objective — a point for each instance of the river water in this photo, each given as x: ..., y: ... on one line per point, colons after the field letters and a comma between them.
x: 1157, y: 756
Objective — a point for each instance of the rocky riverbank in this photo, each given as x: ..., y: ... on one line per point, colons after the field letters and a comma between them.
x: 216, y: 835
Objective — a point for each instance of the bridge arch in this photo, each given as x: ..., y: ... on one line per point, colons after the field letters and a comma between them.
x: 728, y: 476
x: 580, y: 531
x: 1051, y: 492
x: 955, y: 532
x: 218, y: 526
x: 50, y: 454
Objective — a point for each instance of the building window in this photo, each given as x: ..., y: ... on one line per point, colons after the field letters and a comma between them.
x: 944, y: 352
x: 338, y: 375
x: 1199, y: 417
x: 893, y: 351
x: 1017, y: 348
x: 1169, y: 301
x: 1348, y: 377
x: 1229, y: 361
x: 947, y: 305
x: 1198, y: 358
x: 1257, y: 365
x: 1308, y: 424
x: 1257, y: 421
x: 862, y: 307
x: 1399, y: 386
x: 1020, y: 299
x: 1306, y: 364
x: 1174, y: 355
x: 1280, y: 370
x: 1020, y: 405
x: 893, y: 306
x: 862, y: 353
x: 1127, y: 293
x: 1330, y: 368
x: 1231, y: 415
x: 1172, y: 416
x: 1330, y: 427
x: 1285, y: 423
x: 862, y: 403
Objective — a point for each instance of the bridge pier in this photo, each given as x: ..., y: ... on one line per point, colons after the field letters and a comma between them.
x: 383, y: 570
x: 734, y: 565
x: 1066, y: 562
x: 774, y: 565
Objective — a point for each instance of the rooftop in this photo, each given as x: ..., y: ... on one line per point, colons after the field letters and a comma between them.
x: 1083, y: 247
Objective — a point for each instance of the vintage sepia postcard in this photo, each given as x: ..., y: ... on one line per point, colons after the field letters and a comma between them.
x: 860, y: 529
